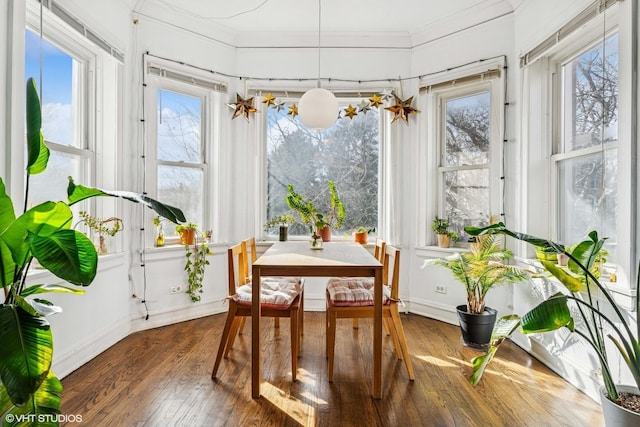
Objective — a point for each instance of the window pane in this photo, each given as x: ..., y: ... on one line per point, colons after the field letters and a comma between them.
x: 58, y: 95
x: 588, y: 197
x: 182, y: 187
x: 467, y: 130
x: 466, y: 199
x: 346, y: 153
x: 52, y: 183
x: 179, y: 127
x: 591, y: 97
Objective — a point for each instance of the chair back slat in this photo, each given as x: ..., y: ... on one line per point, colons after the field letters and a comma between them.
x: 237, y: 266
x: 391, y: 266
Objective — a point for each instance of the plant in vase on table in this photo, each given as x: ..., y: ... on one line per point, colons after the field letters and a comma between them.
x: 479, y: 270
x: 28, y: 387
x: 440, y: 227
x: 320, y: 223
x: 621, y: 404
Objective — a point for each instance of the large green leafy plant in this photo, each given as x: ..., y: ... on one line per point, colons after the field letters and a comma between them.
x: 554, y: 313
x: 309, y: 214
x: 480, y: 269
x: 29, y: 391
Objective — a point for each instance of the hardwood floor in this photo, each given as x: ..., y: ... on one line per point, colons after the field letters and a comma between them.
x: 161, y: 377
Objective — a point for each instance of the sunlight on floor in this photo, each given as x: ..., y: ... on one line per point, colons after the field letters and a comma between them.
x: 297, y: 410
x: 436, y: 361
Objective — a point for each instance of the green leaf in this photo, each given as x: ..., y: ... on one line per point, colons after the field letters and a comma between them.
x: 572, y: 283
x: 7, y: 266
x: 45, y: 404
x: 549, y: 315
x: 68, y: 254
x: 44, y: 219
x: 500, y: 228
x: 26, y: 352
x: 37, y: 151
x: 504, y: 328
x: 50, y: 288
x: 7, y: 214
x: 76, y: 193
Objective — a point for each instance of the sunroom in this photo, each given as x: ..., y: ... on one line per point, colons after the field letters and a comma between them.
x: 474, y: 112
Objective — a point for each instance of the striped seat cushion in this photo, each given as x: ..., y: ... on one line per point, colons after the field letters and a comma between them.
x: 354, y: 291
x: 275, y: 292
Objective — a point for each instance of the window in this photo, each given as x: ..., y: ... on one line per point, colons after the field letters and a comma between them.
x: 64, y: 125
x: 180, y: 153
x: 347, y: 153
x: 586, y: 149
x: 464, y: 159
x: 183, y: 137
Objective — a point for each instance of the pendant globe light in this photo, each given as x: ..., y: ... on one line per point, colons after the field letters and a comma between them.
x: 318, y: 108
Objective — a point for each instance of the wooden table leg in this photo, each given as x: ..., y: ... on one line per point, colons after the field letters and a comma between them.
x: 255, y: 333
x: 377, y: 336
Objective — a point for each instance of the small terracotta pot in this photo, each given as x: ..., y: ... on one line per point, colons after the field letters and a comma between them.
x: 361, y: 237
x: 188, y: 236
x: 325, y: 233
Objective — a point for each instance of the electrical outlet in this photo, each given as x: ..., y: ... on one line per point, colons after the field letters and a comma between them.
x: 441, y: 289
x: 175, y: 289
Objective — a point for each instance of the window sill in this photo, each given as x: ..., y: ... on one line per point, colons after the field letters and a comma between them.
x: 170, y: 251
x: 105, y: 262
x: 438, y: 252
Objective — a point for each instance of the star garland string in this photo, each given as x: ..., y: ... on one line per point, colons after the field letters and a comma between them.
x: 399, y: 109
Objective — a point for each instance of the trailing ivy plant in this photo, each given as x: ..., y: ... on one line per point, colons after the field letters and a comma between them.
x: 29, y: 390
x: 195, y: 266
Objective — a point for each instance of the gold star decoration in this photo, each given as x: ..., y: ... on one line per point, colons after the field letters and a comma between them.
x: 242, y: 107
x: 364, y: 106
x: 293, y: 111
x: 269, y: 99
x: 375, y: 101
x: 350, y: 111
x: 402, y: 109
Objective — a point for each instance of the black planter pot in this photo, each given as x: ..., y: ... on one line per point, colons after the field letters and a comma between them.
x: 284, y: 232
x: 476, y: 328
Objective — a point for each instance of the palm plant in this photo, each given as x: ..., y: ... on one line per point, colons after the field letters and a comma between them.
x: 480, y: 269
x: 28, y: 387
x: 554, y: 313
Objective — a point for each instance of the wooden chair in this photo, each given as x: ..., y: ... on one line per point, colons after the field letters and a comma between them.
x: 240, y: 306
x: 359, y: 304
x: 251, y: 247
x: 378, y: 253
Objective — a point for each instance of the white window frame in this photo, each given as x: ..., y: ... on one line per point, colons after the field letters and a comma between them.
x: 211, y: 105
x: 384, y: 161
x: 432, y: 131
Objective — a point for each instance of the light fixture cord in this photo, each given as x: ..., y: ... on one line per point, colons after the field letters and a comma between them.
x: 319, y: 29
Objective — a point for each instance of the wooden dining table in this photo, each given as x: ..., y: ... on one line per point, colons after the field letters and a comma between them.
x: 297, y: 258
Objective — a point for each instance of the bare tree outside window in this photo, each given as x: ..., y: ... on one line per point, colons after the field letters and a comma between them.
x: 346, y: 153
x: 588, y: 169
x: 465, y: 161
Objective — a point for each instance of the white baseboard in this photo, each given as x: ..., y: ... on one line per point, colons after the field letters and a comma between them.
x: 428, y: 309
x: 176, y: 314
x: 68, y: 360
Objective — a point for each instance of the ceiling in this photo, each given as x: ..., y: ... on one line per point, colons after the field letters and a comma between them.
x: 348, y: 17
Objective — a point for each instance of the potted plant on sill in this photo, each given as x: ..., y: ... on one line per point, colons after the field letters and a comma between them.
x: 320, y: 223
x: 479, y: 270
x: 555, y: 313
x: 28, y: 387
x: 362, y: 233
x: 440, y: 226
x: 196, y: 251
x: 282, y: 222
x: 187, y: 233
x: 100, y: 226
